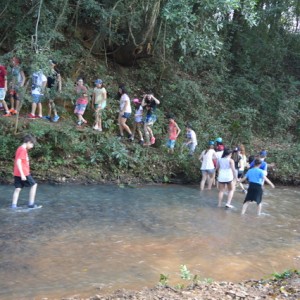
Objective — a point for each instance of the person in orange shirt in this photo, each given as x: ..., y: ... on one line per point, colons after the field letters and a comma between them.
x: 174, y: 131
x: 22, y: 176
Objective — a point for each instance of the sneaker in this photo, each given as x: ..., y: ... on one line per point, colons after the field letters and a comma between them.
x: 96, y: 127
x: 13, y: 111
x: 47, y: 118
x: 141, y: 142
x: 152, y: 140
x: 130, y: 137
x: 31, y: 116
x: 245, y: 191
x: 229, y: 206
x: 55, y: 118
x: 34, y: 206
x: 7, y: 115
x: 39, y: 117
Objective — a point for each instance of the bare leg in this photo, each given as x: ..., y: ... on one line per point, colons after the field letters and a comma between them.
x: 40, y: 109
x: 12, y: 102
x: 245, y: 206
x: 259, y: 207
x: 203, y: 180
x: 231, y: 188
x: 32, y: 194
x: 33, y: 108
x: 210, y: 180
x: 120, y: 125
x: 16, y: 196
x: 125, y: 126
x: 221, y: 193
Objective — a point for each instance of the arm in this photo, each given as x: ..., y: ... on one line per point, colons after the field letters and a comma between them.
x: 93, y: 100
x: 59, y: 82
x: 233, y: 168
x: 178, y: 130
x: 19, y: 165
x: 156, y: 100
x: 201, y: 155
x: 23, y: 78
x: 5, y: 83
x: 269, y: 182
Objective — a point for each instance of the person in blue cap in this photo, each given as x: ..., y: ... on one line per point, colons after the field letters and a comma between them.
x: 207, y: 158
x: 99, y: 103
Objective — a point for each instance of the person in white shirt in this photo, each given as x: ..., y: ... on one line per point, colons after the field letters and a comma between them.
x: 207, y: 166
x: 191, y: 142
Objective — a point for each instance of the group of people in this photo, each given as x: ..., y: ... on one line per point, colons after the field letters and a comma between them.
x: 232, y: 168
x: 13, y: 82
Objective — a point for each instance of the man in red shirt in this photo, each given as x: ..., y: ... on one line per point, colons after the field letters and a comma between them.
x: 3, y: 89
x: 22, y: 172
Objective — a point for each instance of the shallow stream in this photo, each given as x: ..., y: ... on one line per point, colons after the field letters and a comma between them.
x: 102, y: 237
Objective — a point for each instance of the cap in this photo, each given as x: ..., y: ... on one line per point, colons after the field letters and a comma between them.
x: 219, y: 140
x: 98, y: 81
x: 136, y: 100
x: 236, y: 149
x: 263, y: 153
x: 211, y: 143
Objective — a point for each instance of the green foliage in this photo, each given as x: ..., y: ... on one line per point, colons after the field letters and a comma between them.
x: 285, y: 274
x: 163, y: 279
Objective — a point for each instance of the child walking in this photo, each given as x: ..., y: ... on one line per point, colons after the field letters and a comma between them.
x: 174, y: 131
x: 138, y: 120
x: 80, y: 108
x: 22, y: 176
x: 99, y: 103
x: 256, y: 178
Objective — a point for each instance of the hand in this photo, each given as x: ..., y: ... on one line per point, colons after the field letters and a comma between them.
x: 23, y: 178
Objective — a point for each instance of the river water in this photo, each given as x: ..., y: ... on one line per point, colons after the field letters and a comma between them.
x: 91, y: 238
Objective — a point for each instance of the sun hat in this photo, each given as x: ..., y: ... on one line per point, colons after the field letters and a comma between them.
x: 98, y: 81
x: 219, y: 140
x: 211, y: 143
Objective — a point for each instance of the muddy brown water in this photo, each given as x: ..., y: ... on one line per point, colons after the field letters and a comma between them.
x: 91, y: 238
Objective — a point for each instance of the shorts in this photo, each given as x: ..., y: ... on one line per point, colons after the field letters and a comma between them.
x: 14, y: 93
x: 126, y: 115
x: 228, y: 182
x: 19, y: 183
x: 171, y: 144
x: 80, y: 109
x: 240, y: 174
x: 2, y: 94
x: 192, y: 147
x: 150, y: 120
x: 37, y: 98
x: 254, y: 193
x: 209, y: 171
x: 102, y: 105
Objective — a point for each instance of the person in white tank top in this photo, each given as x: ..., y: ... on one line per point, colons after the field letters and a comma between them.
x: 227, y: 177
x: 207, y: 166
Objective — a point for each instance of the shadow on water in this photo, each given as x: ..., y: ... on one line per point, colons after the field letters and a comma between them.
x: 90, y: 237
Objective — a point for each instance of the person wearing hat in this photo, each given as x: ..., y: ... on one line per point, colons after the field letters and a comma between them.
x: 207, y: 165
x: 138, y: 120
x: 53, y: 87
x: 99, y: 103
x: 226, y: 177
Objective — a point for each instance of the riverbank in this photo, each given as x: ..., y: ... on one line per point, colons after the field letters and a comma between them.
x: 286, y: 286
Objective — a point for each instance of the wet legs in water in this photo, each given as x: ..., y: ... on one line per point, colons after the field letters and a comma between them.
x: 222, y: 187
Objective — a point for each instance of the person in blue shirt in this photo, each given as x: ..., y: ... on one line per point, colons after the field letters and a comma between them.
x: 263, y: 165
x: 256, y: 177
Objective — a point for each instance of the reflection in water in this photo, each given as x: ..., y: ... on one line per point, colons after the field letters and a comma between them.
x: 89, y: 237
